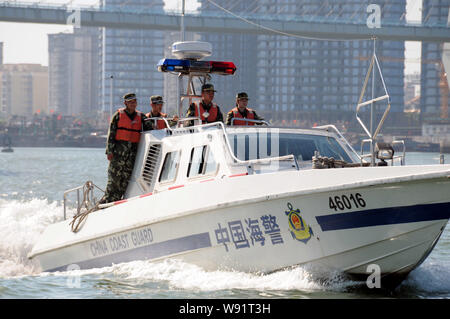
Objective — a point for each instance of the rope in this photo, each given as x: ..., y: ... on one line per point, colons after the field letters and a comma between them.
x: 87, y: 201
x: 322, y: 162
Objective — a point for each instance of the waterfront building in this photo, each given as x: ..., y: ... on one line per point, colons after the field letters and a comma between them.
x: 73, y: 72
x: 23, y: 89
x: 436, y: 131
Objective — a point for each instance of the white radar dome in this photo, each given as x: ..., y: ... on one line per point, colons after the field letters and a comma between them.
x: 191, y: 49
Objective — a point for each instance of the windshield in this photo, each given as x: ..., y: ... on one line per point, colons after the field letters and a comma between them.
x: 256, y: 145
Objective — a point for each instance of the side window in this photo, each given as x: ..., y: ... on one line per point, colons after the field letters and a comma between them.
x: 170, y: 166
x: 201, y: 162
x: 211, y: 164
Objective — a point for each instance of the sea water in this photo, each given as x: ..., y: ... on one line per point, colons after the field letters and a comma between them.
x: 32, y: 183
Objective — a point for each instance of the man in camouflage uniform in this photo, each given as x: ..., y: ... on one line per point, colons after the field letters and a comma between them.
x: 122, y: 154
x: 156, y: 103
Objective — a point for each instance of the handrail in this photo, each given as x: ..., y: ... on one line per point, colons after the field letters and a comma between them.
x: 90, y: 188
x: 248, y: 120
x: 362, y: 156
x: 190, y: 118
x: 165, y: 119
x: 268, y: 160
x: 402, y: 157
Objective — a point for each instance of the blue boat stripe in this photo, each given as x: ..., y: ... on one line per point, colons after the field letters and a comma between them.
x: 384, y: 216
x: 151, y: 251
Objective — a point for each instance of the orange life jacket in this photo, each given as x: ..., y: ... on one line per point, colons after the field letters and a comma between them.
x: 160, y: 124
x: 127, y: 129
x: 237, y: 114
x: 212, y: 113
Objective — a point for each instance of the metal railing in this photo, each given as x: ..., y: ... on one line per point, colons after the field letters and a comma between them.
x: 88, y: 199
x: 156, y: 119
x: 401, y: 157
x: 248, y: 121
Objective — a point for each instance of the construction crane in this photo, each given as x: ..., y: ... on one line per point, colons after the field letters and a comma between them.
x: 443, y: 82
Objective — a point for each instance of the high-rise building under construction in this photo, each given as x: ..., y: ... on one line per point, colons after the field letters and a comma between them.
x: 434, y: 91
x: 128, y: 58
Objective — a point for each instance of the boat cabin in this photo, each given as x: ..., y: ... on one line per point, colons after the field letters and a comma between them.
x: 172, y: 158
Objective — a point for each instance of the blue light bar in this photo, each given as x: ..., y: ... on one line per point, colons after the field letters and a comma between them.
x: 187, y: 66
x: 173, y: 65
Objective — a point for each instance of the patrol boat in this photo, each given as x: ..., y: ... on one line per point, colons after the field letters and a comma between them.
x: 258, y: 198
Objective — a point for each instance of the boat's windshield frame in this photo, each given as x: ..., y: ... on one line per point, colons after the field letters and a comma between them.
x: 248, y: 144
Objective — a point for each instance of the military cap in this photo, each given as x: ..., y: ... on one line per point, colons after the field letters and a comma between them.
x: 208, y: 87
x: 129, y: 97
x: 242, y: 95
x: 156, y: 99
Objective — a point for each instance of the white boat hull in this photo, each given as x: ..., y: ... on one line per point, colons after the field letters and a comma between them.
x: 401, y: 220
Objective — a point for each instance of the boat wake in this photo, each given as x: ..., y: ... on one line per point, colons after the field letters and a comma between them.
x: 21, y: 223
x: 174, y: 275
x: 190, y: 277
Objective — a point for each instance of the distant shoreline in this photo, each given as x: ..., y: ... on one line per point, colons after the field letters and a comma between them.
x: 32, y: 141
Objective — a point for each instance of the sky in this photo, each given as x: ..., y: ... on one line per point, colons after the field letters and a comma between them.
x: 28, y: 43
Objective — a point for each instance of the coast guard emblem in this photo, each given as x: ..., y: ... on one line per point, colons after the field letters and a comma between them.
x: 297, y: 226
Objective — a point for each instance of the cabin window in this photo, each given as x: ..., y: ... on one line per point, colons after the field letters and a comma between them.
x: 201, y: 162
x: 211, y: 164
x: 170, y: 166
x: 248, y: 146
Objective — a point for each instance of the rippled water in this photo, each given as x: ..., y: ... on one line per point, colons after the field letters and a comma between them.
x: 32, y: 182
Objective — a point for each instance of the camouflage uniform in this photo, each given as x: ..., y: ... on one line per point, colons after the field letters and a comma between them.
x: 121, y: 165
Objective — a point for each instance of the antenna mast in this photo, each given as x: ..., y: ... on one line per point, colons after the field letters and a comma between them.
x: 180, y: 77
x: 183, y: 3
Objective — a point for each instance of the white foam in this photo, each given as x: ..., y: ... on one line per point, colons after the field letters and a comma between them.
x: 430, y: 277
x: 181, y: 275
x: 21, y: 223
